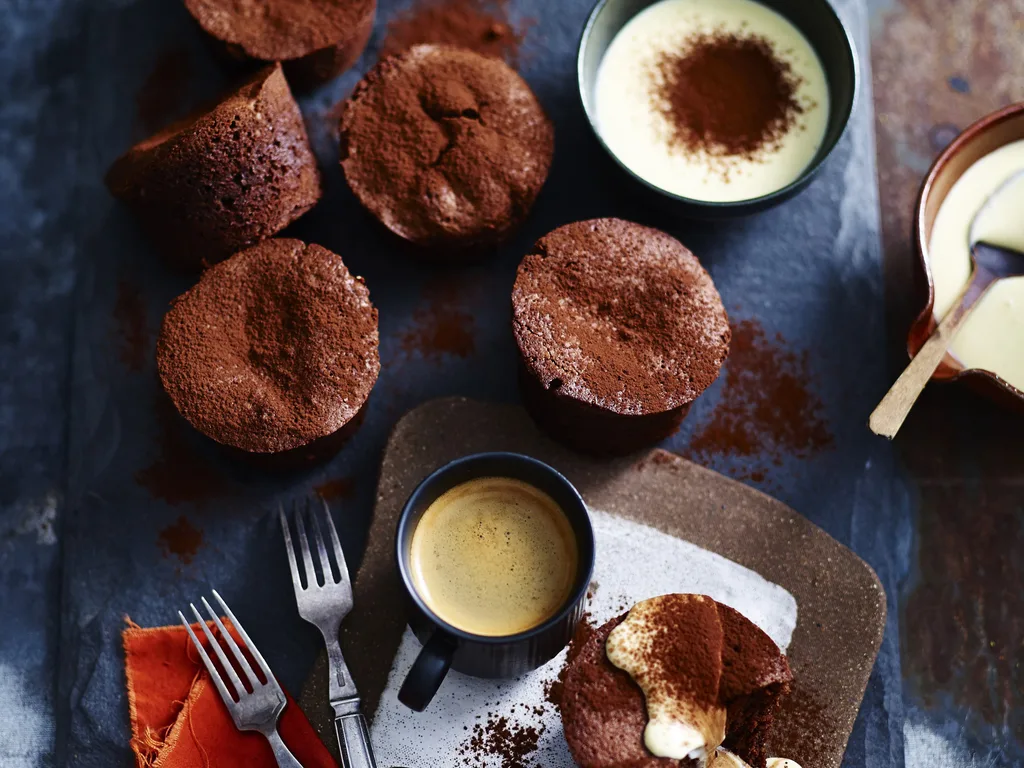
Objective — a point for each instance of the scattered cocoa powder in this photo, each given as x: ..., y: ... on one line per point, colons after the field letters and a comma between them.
x: 727, y: 95
x: 178, y: 475
x: 163, y: 93
x: 509, y: 741
x: 338, y: 488
x: 767, y: 411
x: 182, y: 539
x: 480, y: 25
x: 130, y: 325
x: 440, y: 324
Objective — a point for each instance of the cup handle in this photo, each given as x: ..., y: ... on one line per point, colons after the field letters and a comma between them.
x: 427, y: 672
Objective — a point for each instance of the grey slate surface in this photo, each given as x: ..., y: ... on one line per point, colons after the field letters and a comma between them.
x: 809, y: 270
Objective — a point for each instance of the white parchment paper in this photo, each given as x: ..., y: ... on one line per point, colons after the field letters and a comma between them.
x: 634, y: 562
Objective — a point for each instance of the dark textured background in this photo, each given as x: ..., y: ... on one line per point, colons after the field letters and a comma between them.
x: 79, y: 535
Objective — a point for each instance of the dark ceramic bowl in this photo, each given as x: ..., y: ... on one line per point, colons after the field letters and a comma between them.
x: 818, y: 22
x: 981, y: 138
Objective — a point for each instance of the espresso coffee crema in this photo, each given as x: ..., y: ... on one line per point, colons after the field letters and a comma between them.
x: 494, y: 556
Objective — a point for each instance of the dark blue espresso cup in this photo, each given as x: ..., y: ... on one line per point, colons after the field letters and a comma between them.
x: 448, y: 647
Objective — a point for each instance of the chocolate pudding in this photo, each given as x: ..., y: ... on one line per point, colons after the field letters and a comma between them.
x: 755, y: 678
x: 446, y: 147
x: 223, y: 179
x: 315, y: 40
x: 619, y: 329
x: 273, y: 351
x: 696, y: 659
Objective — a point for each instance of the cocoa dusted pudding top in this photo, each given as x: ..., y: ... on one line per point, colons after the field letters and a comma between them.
x: 686, y: 661
x: 279, y: 30
x: 271, y: 349
x: 620, y: 316
x: 445, y: 146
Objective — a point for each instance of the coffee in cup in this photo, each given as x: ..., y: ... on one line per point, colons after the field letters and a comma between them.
x: 495, y: 552
x: 494, y: 556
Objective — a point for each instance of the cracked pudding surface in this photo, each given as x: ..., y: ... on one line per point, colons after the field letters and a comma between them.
x: 445, y: 147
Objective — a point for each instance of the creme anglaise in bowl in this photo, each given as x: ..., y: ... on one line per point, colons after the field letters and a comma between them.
x: 723, y: 107
x: 988, y: 350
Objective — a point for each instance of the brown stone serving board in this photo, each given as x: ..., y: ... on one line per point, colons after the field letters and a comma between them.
x: 840, y: 602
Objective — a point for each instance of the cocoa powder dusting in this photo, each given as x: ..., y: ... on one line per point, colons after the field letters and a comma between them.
x: 130, y: 325
x: 480, y: 25
x: 179, y: 474
x: 182, y: 539
x: 509, y: 741
x: 727, y: 95
x: 636, y: 328
x: 163, y: 93
x: 439, y: 325
x: 767, y: 410
x: 680, y: 656
x: 446, y: 147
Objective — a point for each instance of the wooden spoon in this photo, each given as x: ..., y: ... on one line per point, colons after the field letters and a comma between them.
x: 1001, y: 222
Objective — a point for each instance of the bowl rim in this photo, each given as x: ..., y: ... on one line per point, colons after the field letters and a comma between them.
x: 924, y: 322
x: 778, y: 195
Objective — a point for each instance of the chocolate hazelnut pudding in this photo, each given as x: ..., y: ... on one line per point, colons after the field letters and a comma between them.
x: 223, y: 179
x: 619, y: 330
x: 315, y: 40
x: 446, y: 147
x: 679, y: 680
x: 272, y: 351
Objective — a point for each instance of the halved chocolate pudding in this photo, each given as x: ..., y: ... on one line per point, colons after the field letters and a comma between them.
x: 619, y: 329
x: 273, y: 351
x: 606, y: 715
x: 755, y: 678
x: 315, y: 40
x: 223, y: 179
x: 446, y: 147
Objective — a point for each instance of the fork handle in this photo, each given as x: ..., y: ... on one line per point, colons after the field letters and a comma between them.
x: 354, y: 740
x: 283, y: 755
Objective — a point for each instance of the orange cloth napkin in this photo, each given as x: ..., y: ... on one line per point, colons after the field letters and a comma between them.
x: 178, y: 718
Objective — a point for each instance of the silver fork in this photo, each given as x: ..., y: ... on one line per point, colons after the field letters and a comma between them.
x: 256, y: 711
x: 324, y: 605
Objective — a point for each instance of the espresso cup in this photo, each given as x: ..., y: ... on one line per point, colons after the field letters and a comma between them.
x: 495, y: 552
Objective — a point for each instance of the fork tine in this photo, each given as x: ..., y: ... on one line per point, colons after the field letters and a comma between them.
x: 208, y: 662
x: 339, y: 553
x: 307, y: 557
x: 293, y: 563
x: 235, y: 650
x: 271, y: 680
x: 325, y: 562
x: 239, y: 688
